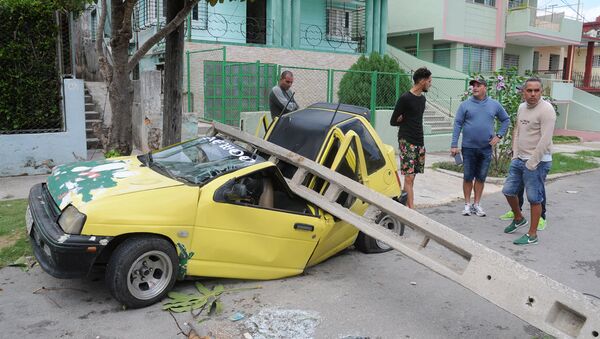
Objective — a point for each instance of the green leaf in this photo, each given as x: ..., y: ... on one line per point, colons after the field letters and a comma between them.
x: 202, y: 289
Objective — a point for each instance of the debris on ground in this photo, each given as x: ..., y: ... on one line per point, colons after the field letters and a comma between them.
x: 282, y: 323
x: 237, y: 316
x: 24, y: 262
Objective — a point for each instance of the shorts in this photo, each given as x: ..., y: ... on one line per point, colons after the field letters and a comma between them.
x: 519, y: 175
x: 476, y: 163
x: 412, y: 158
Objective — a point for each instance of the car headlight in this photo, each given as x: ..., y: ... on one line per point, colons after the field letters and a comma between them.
x: 71, y: 220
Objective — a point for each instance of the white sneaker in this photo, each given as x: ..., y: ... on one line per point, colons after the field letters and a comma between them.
x: 467, y: 210
x: 479, y: 211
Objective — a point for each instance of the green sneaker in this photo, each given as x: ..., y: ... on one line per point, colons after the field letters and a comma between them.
x: 514, y: 225
x: 525, y: 239
x: 507, y: 216
x: 542, y: 224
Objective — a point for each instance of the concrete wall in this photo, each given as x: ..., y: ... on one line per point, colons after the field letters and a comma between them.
x: 565, y: 31
x: 147, y: 121
x: 525, y: 57
x: 404, y: 16
x: 30, y: 154
x: 450, y: 20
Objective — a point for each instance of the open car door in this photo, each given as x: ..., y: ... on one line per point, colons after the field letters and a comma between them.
x: 342, y: 153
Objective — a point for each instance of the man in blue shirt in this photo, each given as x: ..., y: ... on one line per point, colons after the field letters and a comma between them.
x: 475, y: 117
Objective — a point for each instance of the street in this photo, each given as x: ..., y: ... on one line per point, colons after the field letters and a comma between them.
x: 352, y: 295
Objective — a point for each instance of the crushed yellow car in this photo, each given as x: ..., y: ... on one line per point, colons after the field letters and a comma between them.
x: 208, y: 207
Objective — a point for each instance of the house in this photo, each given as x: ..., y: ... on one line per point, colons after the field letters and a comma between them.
x: 586, y: 66
x: 484, y: 35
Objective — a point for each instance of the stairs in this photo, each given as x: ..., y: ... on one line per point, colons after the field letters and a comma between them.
x: 91, y: 116
x: 437, y: 121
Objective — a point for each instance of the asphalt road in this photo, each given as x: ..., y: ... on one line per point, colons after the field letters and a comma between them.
x: 351, y: 295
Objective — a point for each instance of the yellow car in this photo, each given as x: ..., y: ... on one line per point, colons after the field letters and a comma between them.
x: 207, y: 207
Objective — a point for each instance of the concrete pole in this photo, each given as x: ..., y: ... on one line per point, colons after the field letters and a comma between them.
x: 376, y: 19
x: 568, y: 70
x: 296, y: 30
x: 369, y: 26
x: 286, y: 21
x: 587, y: 76
x: 383, y: 27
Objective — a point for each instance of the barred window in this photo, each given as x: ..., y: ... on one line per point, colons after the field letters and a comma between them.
x: 478, y: 59
x: 596, y: 61
x: 511, y: 60
x: 200, y: 15
x: 491, y: 3
x: 93, y: 24
x: 339, y: 23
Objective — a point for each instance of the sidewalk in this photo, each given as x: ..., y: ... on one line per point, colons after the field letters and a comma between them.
x: 435, y: 187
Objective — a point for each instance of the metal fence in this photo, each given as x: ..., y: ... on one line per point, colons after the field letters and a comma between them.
x: 219, y: 89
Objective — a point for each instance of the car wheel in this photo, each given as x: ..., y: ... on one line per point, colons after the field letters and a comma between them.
x: 141, y: 271
x: 367, y: 244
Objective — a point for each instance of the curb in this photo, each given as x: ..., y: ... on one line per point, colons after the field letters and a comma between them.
x: 500, y: 181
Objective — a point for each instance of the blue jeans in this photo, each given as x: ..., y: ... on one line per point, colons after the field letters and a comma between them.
x: 476, y: 163
x: 533, y: 181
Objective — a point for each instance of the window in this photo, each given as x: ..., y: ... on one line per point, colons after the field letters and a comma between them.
x: 554, y: 63
x: 596, y: 61
x: 511, y: 60
x: 373, y: 156
x: 441, y: 55
x: 93, y: 25
x: 491, y: 3
x: 478, y: 59
x: 200, y: 15
x: 339, y: 23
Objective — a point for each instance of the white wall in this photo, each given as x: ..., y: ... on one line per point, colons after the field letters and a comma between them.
x: 30, y: 154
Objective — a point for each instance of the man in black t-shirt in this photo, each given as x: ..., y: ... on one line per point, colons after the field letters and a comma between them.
x: 408, y: 116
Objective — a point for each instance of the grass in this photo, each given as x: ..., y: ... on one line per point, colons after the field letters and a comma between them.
x: 561, y: 163
x: 589, y: 153
x: 565, y: 139
x: 13, y: 237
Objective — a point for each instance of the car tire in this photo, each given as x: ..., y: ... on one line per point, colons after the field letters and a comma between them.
x: 367, y: 244
x: 141, y: 271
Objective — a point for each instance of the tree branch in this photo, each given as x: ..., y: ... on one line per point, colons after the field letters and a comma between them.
x: 170, y: 27
x: 104, y: 66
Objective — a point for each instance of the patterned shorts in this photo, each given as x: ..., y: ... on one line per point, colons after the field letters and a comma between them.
x: 412, y: 158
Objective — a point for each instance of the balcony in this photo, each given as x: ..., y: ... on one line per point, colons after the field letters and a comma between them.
x: 537, y: 27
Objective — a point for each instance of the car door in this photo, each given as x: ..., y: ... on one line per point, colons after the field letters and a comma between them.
x: 343, y: 153
x: 243, y: 231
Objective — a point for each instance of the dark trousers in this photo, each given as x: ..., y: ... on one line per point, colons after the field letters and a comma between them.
x: 520, y: 196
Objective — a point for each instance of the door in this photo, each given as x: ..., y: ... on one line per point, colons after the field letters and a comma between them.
x: 251, y: 226
x: 344, y: 154
x: 256, y: 22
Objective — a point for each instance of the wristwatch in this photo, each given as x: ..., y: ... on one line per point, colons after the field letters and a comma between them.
x: 499, y: 136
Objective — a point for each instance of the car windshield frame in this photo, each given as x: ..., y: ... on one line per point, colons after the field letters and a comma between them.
x: 201, y: 160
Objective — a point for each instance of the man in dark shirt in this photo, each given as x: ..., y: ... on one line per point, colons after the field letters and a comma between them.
x: 408, y: 116
x: 280, y: 96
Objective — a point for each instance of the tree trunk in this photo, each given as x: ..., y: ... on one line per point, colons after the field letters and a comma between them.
x: 120, y: 88
x: 172, y: 108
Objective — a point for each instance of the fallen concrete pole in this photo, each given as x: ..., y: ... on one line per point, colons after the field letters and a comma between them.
x: 539, y: 300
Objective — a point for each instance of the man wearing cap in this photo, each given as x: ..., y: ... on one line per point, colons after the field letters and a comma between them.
x: 475, y: 118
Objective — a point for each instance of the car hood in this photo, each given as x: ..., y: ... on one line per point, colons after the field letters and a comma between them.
x: 82, y: 183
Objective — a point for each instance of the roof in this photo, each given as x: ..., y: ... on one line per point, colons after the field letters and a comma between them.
x: 304, y: 131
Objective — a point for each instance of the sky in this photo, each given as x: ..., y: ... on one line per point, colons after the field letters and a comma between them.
x: 591, y: 8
